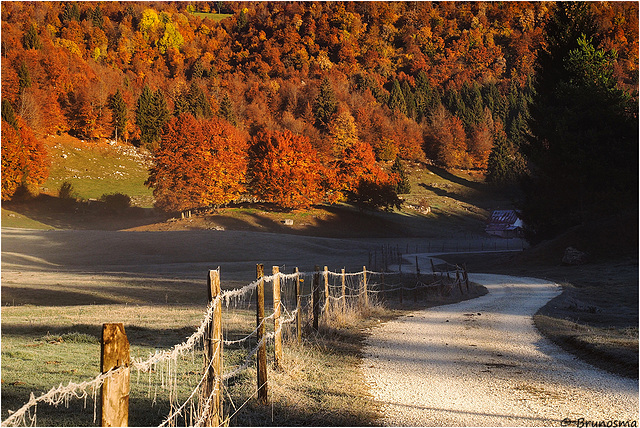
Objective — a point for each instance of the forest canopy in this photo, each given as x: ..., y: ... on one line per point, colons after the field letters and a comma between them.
x: 452, y: 83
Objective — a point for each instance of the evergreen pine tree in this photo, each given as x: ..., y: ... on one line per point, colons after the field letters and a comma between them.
x: 71, y: 12
x: 198, y: 104
x: 325, y: 105
x: 8, y: 114
x: 499, y: 166
x: 403, y: 186
x: 151, y: 115
x: 396, y: 98
x: 473, y: 107
x: 426, y: 98
x: 24, y: 78
x: 497, y: 103
x: 31, y: 40
x: 454, y: 103
x: 226, y: 110
x: 97, y: 18
x: 409, y: 99
x: 118, y: 113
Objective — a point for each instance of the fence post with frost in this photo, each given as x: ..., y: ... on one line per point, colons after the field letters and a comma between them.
x: 326, y: 292
x: 298, y: 308
x: 263, y: 394
x: 115, y: 389
x: 315, y: 296
x: 212, y: 386
x: 364, y: 287
x: 277, y: 323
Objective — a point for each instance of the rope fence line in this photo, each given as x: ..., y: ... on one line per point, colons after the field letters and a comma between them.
x: 355, y: 287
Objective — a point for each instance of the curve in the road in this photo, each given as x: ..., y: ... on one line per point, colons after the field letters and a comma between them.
x: 482, y: 362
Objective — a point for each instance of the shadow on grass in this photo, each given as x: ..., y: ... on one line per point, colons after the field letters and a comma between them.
x: 71, y: 214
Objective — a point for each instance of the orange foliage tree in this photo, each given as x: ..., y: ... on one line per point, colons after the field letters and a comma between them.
x: 198, y: 164
x: 24, y: 160
x: 284, y: 170
x: 361, y: 179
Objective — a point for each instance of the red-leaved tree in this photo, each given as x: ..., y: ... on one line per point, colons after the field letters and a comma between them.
x: 24, y: 160
x: 362, y: 180
x: 199, y: 163
x: 284, y: 169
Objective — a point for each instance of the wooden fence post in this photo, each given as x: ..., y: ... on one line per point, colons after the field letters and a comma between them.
x: 344, y: 293
x: 315, y: 296
x: 263, y: 393
x: 298, y: 308
x: 433, y: 269
x: 115, y: 390
x: 364, y: 287
x: 415, y: 290
x: 458, y: 280
x: 326, y: 291
x: 277, y: 323
x: 465, y: 275
x: 212, y: 386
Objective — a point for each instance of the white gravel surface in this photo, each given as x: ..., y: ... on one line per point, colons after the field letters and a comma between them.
x: 482, y: 362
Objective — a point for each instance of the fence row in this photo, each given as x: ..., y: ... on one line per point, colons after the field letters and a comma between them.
x: 384, y: 256
x: 300, y: 303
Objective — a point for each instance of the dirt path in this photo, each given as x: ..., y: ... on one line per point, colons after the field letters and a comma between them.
x: 481, y: 362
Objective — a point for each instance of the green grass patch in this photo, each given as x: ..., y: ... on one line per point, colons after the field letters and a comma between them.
x: 95, y: 169
x: 14, y: 219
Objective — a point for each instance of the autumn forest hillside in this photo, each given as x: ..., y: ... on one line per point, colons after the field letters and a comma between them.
x: 297, y: 103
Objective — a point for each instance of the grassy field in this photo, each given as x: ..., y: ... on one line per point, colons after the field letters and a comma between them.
x: 320, y: 384
x: 98, y: 168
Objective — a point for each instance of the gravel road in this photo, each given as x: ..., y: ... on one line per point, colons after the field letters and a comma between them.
x: 482, y: 362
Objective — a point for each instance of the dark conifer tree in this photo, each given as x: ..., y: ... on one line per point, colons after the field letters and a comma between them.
x: 585, y: 146
x: 31, y: 39
x: 325, y: 105
x: 118, y: 114
x: 24, y: 77
x: 227, y: 111
x: 396, y: 98
x: 8, y: 114
x: 403, y: 186
x: 151, y: 115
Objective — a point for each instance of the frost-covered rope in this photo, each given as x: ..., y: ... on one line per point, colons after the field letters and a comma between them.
x: 253, y: 333
x: 182, y: 348
x: 228, y: 295
x: 248, y: 361
x: 61, y: 394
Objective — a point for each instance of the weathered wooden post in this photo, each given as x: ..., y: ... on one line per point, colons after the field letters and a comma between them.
x: 298, y: 308
x: 465, y: 275
x: 212, y: 385
x: 364, y: 287
x: 277, y: 322
x: 344, y: 293
x: 433, y: 269
x: 115, y: 389
x: 315, y: 297
x: 263, y: 393
x: 458, y: 280
x: 415, y: 290
x: 326, y: 292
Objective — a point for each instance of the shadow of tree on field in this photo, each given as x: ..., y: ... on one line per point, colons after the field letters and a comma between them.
x: 71, y: 214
